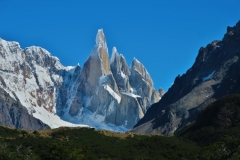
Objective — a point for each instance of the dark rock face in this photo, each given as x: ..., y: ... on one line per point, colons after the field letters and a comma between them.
x: 13, y: 114
x: 217, y: 121
x: 215, y: 73
x: 222, y: 114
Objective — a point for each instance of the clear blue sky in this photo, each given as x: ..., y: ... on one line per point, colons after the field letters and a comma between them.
x: 164, y: 35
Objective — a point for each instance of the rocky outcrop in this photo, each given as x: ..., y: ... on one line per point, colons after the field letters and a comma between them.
x: 13, y: 114
x: 215, y: 73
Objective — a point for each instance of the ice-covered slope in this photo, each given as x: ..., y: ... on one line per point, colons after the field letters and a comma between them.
x: 33, y: 77
x: 101, y: 94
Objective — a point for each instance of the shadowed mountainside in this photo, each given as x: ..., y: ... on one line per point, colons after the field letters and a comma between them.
x: 13, y: 114
x: 215, y: 73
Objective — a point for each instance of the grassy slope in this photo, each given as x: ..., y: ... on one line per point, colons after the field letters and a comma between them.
x: 84, y: 143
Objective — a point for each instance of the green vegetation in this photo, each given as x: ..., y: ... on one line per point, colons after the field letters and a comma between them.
x: 208, y: 139
x: 85, y: 143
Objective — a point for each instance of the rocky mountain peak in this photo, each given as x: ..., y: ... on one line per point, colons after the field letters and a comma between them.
x: 120, y: 70
x: 41, y: 57
x: 9, y: 44
x: 114, y: 50
x: 100, y: 51
x: 119, y: 62
x: 96, y: 65
x: 138, y: 68
x: 100, y: 39
x: 232, y: 33
x: 114, y: 56
x: 7, y: 47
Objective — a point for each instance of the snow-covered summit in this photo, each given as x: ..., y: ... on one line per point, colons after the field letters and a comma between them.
x: 138, y: 67
x: 9, y: 43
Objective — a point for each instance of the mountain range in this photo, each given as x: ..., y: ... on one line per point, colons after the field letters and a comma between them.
x: 38, y: 92
x: 104, y: 93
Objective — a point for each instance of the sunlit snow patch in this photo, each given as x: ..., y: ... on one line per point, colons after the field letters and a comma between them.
x: 130, y: 94
x: 85, y: 119
x: 208, y: 77
x: 123, y: 75
x: 53, y: 120
x: 114, y: 94
x: 92, y: 120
